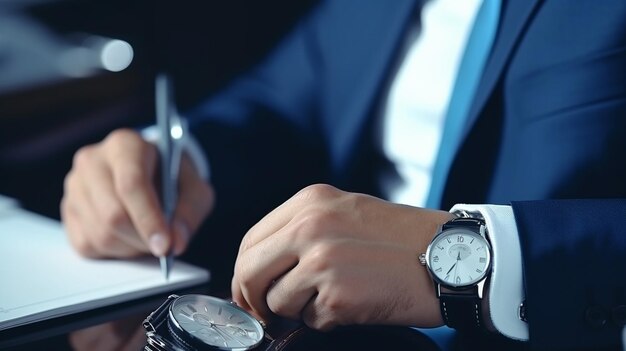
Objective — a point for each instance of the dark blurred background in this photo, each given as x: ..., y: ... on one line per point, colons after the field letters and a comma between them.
x: 58, y: 94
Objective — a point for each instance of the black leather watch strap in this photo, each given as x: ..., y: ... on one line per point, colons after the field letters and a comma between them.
x: 462, y: 222
x: 282, y: 333
x: 461, y: 311
x: 461, y: 308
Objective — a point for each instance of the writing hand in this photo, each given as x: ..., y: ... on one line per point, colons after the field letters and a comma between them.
x: 334, y: 258
x: 110, y: 205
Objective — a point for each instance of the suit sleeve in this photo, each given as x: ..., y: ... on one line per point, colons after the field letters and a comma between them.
x: 574, y: 257
x: 261, y: 139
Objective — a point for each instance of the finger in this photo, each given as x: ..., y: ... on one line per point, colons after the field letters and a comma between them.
x: 289, y: 295
x: 194, y: 204
x: 92, y: 235
x: 239, y: 299
x: 104, y: 241
x: 284, y: 213
x: 100, y: 239
x: 270, y: 224
x: 134, y: 163
x: 74, y: 230
x: 315, y: 317
x: 259, y: 266
x: 83, y: 231
x: 108, y: 209
x: 72, y: 204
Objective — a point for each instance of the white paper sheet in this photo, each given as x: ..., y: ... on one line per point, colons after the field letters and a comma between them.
x: 7, y: 203
x: 41, y: 276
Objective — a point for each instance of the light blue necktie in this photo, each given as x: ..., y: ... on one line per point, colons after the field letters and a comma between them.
x: 469, y: 73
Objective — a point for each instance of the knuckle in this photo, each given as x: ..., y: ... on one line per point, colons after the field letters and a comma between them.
x: 83, y: 156
x: 121, y: 136
x: 334, y: 307
x: 317, y: 192
x: 320, y: 258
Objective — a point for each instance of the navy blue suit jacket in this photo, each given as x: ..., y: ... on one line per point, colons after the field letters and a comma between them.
x: 548, y: 122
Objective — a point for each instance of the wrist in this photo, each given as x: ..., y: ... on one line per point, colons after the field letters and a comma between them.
x: 429, y: 223
x: 432, y: 224
x: 458, y: 259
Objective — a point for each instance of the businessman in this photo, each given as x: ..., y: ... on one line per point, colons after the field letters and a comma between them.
x: 338, y: 102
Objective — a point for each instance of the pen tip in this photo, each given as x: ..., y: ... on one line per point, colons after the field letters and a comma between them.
x: 166, y: 264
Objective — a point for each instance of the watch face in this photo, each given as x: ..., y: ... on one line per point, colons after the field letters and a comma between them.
x: 458, y: 257
x: 206, y: 320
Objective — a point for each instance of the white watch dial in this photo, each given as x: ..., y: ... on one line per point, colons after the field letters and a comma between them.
x: 216, y: 322
x: 458, y: 257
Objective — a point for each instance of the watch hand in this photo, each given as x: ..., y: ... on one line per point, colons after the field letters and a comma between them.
x: 224, y: 335
x: 233, y: 326
x: 244, y: 333
x: 456, y: 270
x: 218, y: 327
x: 451, y: 268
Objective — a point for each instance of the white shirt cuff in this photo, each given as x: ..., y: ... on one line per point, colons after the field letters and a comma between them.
x: 190, y: 146
x: 506, y: 289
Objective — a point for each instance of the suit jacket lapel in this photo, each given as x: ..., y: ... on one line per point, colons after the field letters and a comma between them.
x: 516, y: 15
x: 390, y: 19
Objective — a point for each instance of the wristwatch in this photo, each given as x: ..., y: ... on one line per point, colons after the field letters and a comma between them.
x: 459, y: 261
x: 201, y: 322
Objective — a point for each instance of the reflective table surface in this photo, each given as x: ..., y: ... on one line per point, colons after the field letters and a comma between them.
x: 119, y: 327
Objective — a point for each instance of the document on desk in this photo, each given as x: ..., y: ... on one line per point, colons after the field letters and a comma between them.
x: 41, y: 277
x: 7, y: 202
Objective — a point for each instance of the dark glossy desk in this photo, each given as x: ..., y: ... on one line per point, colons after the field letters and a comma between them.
x: 119, y: 328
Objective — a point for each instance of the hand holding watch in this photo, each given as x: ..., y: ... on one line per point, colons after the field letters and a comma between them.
x: 458, y: 259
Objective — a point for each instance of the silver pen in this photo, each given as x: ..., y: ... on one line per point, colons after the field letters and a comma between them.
x: 171, y: 130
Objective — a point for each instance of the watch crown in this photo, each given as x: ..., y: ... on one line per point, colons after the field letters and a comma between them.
x: 422, y: 258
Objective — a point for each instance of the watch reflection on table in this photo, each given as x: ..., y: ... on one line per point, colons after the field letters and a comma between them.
x: 123, y: 335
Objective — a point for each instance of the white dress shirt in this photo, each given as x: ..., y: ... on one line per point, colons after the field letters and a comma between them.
x: 411, y: 125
